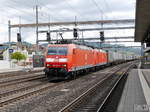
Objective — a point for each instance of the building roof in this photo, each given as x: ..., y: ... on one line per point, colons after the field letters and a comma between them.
x: 142, y: 19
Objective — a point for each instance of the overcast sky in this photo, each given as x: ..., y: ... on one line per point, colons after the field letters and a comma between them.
x: 62, y: 10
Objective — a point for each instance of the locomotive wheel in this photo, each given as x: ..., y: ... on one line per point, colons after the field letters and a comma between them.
x: 74, y: 74
x: 46, y: 74
x: 69, y: 76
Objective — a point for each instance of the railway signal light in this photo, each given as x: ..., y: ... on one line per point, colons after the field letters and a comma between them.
x: 75, y: 33
x: 18, y: 37
x: 48, y: 36
x: 102, y: 38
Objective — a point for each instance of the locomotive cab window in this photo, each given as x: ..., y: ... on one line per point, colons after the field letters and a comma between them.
x: 57, y: 51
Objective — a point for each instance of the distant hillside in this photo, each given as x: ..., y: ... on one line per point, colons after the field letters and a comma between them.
x: 112, y: 47
x: 23, y: 43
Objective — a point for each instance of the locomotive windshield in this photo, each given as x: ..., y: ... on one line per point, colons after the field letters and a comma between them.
x: 57, y: 51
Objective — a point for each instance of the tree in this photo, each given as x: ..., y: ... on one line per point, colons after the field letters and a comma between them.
x: 18, y: 56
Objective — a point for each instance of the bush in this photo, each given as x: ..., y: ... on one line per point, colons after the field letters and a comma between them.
x: 18, y: 56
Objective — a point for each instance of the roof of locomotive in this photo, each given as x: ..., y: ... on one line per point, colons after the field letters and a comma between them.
x: 76, y: 46
x: 55, y: 45
x: 101, y: 50
x: 65, y: 45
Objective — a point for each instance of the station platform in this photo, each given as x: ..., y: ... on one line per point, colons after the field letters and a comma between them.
x: 136, y: 93
x: 6, y: 66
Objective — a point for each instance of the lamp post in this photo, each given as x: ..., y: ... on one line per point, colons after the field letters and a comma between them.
x: 9, y: 39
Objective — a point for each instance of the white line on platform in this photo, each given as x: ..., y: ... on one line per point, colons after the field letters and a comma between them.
x: 145, y: 87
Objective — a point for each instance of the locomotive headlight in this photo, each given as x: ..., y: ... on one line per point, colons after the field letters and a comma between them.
x: 63, y: 60
x: 64, y: 65
x: 48, y: 65
x: 49, y: 59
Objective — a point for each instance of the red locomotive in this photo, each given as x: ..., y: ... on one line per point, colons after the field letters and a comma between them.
x: 63, y: 61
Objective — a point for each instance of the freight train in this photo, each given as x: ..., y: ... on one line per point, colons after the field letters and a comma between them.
x: 65, y: 61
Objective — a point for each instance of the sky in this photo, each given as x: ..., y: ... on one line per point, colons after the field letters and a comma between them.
x: 23, y: 11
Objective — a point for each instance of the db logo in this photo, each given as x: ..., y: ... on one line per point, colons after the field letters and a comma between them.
x: 56, y: 60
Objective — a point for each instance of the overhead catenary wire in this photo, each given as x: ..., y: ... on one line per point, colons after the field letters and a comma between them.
x: 71, y: 7
x: 101, y: 13
x: 45, y: 14
x: 59, y: 19
x: 67, y: 4
x: 114, y: 17
x: 50, y: 14
x: 17, y: 10
x: 29, y: 12
x: 108, y: 8
x: 99, y: 9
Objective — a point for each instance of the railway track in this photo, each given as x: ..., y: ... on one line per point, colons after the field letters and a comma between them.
x: 98, y: 94
x: 103, y: 105
x: 10, y: 96
x: 23, y: 89
x: 13, y: 74
x: 20, y: 80
x: 17, y: 97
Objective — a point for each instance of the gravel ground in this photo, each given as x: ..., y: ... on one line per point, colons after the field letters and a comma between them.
x: 53, y: 99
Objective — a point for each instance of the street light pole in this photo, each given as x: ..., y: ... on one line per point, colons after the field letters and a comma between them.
x: 102, y: 18
x: 9, y: 39
x: 19, y: 44
x: 37, y: 35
